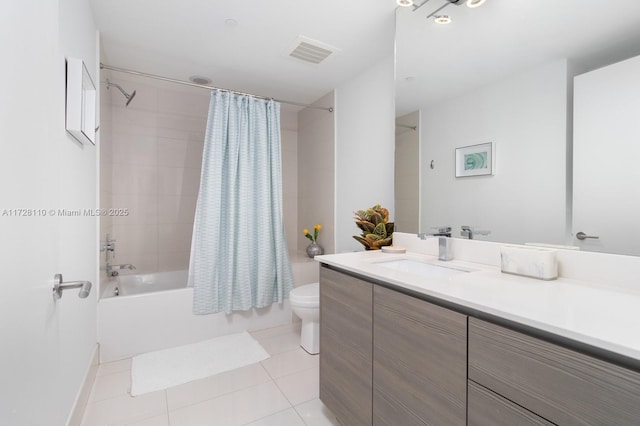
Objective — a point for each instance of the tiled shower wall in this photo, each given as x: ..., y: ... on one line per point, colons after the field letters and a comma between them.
x: 156, y: 157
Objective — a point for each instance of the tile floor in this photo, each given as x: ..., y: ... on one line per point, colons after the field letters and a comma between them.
x: 279, y: 391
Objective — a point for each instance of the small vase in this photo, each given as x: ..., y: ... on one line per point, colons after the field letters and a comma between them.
x: 314, y: 250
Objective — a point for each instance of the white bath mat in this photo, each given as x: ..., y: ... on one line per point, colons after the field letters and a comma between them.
x: 170, y: 367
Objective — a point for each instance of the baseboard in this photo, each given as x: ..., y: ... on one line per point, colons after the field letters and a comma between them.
x: 75, y: 417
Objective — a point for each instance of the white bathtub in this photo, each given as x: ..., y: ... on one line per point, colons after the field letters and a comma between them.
x: 127, y: 285
x: 154, y: 311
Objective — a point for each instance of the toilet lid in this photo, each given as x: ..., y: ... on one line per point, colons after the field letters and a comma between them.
x: 306, y: 294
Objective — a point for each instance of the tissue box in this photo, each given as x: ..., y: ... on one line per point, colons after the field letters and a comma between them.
x: 532, y: 262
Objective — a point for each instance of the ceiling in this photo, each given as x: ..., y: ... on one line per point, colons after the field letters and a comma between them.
x: 505, y: 37
x: 181, y: 38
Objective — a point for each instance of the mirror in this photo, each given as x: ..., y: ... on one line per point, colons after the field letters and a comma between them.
x: 502, y: 73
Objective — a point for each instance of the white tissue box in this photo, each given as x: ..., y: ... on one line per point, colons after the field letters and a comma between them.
x: 532, y: 262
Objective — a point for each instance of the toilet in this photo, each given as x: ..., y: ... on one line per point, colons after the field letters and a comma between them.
x: 305, y: 302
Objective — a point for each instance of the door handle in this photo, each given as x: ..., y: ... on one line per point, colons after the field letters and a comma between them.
x: 582, y: 236
x: 59, y: 286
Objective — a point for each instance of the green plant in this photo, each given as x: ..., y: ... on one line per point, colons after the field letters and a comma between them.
x: 376, y: 229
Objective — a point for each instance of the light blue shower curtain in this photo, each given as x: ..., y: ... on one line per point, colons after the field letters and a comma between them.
x: 239, y: 253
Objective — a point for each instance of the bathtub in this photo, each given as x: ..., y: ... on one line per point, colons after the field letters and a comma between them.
x: 154, y: 311
x: 127, y: 285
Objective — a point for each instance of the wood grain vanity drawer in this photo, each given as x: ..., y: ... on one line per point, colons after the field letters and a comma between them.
x: 561, y: 385
x: 419, y: 362
x: 346, y: 307
x: 487, y: 408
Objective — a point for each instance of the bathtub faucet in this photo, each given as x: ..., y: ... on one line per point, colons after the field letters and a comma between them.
x: 112, y: 270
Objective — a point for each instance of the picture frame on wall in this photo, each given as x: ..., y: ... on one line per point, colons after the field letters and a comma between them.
x: 475, y: 160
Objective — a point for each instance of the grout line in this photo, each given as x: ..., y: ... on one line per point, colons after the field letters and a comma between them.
x: 283, y: 394
x: 222, y: 394
x: 298, y: 372
x: 272, y: 414
x: 166, y: 402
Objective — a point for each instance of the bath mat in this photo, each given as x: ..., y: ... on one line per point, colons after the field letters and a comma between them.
x: 163, y: 369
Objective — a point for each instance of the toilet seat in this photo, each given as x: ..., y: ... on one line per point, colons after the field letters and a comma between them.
x: 307, y: 295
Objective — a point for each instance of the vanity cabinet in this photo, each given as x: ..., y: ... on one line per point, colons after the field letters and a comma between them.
x: 388, y: 358
x: 558, y: 384
x: 346, y: 308
x: 419, y: 361
x: 486, y: 408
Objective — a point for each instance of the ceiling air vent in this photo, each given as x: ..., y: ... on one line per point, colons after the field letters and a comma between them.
x: 310, y: 50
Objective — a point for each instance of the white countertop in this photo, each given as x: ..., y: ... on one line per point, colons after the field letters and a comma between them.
x: 597, y: 315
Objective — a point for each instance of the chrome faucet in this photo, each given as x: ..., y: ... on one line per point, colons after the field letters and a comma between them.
x: 112, y: 270
x: 444, y: 248
x: 444, y: 245
x: 467, y: 232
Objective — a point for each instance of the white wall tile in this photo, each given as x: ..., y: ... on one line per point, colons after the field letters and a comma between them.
x: 174, y: 237
x: 178, y: 181
x: 176, y: 208
x: 194, y: 104
x: 138, y: 180
x: 134, y: 149
x: 175, y: 261
x: 142, y: 209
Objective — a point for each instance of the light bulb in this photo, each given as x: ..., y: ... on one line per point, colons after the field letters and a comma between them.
x: 405, y: 3
x: 442, y: 19
x: 475, y: 3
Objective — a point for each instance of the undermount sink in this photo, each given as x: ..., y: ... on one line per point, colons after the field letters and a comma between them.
x: 426, y: 270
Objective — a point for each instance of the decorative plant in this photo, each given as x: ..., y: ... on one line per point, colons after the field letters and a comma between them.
x: 314, y: 237
x: 376, y: 229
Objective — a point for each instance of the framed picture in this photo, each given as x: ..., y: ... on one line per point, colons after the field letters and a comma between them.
x: 475, y: 160
x: 80, y: 102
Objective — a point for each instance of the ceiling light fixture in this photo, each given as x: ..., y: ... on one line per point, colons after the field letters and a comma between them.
x: 405, y: 3
x: 475, y: 3
x: 442, y: 19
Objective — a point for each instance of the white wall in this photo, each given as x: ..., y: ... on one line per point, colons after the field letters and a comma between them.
x: 316, y: 173
x: 365, y: 111
x: 47, y: 346
x: 526, y: 117
x: 407, y: 172
x: 289, y: 154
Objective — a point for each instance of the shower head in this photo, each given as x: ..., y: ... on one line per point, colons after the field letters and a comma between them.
x: 126, y: 95
x: 129, y: 97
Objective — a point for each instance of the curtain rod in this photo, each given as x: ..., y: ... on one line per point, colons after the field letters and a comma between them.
x: 406, y: 126
x: 204, y: 86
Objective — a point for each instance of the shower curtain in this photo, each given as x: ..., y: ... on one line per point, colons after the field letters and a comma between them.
x: 239, y: 255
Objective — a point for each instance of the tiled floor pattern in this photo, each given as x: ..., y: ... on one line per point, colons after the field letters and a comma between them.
x: 280, y: 391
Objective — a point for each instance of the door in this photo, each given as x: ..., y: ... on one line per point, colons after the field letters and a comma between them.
x: 46, y: 346
x: 606, y: 151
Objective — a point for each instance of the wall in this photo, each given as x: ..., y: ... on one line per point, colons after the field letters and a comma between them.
x: 157, y: 144
x: 526, y: 117
x: 364, y: 110
x: 316, y: 173
x: 48, y: 346
x: 289, y: 139
x: 407, y: 173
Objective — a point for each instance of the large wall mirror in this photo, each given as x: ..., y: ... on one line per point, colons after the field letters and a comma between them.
x: 507, y: 72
